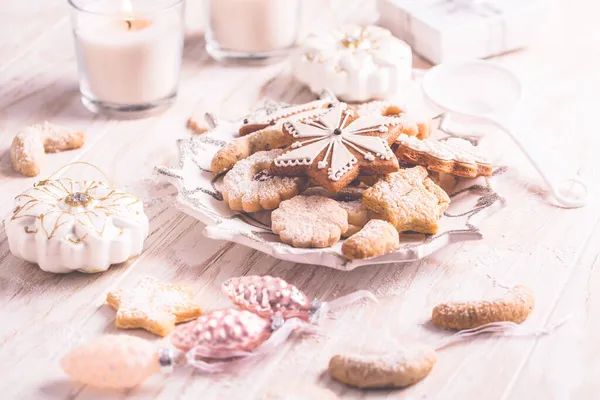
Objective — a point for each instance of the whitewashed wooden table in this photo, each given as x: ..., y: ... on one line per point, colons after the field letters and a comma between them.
x: 552, y: 250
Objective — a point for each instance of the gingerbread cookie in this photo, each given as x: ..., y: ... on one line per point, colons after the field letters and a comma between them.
x: 409, y: 200
x: 249, y: 186
x: 29, y: 146
x: 271, y: 137
x: 376, y: 238
x: 153, y: 305
x: 334, y: 148
x: 454, y: 156
x: 309, y: 221
x: 350, y: 199
x: 254, y: 123
x: 411, y: 126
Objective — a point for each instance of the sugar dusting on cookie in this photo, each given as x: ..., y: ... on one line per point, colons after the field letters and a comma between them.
x: 153, y: 305
x: 309, y: 221
x: 249, y: 186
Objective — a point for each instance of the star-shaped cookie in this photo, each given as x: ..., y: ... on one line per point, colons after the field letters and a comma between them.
x: 153, y: 305
x: 334, y: 148
x: 409, y: 200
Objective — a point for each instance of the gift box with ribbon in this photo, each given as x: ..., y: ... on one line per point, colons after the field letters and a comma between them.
x: 452, y: 30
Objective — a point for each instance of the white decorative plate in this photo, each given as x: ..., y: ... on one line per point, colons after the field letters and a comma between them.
x: 473, y: 200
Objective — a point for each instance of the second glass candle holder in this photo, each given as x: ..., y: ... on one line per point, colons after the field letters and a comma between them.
x: 251, y: 30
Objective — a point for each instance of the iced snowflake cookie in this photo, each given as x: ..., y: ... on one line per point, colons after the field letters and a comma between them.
x: 409, y: 200
x: 412, y: 125
x: 335, y: 147
x: 30, y: 145
x: 309, y: 221
x: 350, y: 199
x: 356, y: 63
x: 153, y: 305
x: 268, y: 138
x: 376, y: 238
x: 249, y: 186
x: 453, y: 156
x: 65, y: 225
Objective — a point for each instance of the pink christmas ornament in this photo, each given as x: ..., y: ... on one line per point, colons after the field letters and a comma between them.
x: 267, y: 296
x: 112, y: 361
x: 222, y: 333
x: 270, y: 311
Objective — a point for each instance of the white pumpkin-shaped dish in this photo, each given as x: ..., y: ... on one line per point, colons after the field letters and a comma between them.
x: 356, y: 63
x: 65, y: 225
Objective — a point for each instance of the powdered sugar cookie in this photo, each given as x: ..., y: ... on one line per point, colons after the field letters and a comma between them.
x: 376, y: 238
x: 153, y: 305
x: 400, y: 367
x: 309, y: 221
x: 334, y: 148
x: 250, y: 187
x: 350, y: 199
x: 29, y: 146
x: 409, y: 200
x: 453, y: 156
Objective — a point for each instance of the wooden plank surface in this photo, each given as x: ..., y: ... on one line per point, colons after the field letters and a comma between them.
x: 552, y: 250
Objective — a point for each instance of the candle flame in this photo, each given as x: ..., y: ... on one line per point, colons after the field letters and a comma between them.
x: 127, y: 8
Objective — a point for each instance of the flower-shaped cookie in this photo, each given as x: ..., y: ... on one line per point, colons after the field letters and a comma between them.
x: 65, y: 225
x: 409, y: 200
x: 309, y: 221
x: 335, y: 147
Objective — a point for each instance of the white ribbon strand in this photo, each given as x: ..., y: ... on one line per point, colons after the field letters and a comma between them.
x: 320, y: 315
x: 505, y: 328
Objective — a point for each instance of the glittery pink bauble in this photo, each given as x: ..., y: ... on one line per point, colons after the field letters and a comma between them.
x: 266, y: 295
x: 221, y: 332
x: 112, y: 361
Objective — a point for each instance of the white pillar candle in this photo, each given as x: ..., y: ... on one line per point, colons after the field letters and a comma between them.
x: 253, y: 26
x: 129, y: 59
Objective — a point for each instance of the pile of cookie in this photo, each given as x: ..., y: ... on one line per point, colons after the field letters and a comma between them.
x: 329, y: 170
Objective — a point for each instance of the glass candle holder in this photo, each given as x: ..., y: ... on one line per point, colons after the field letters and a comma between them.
x: 251, y: 30
x: 129, y: 54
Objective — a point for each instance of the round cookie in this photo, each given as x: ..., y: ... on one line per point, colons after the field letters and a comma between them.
x: 309, y: 221
x: 250, y: 187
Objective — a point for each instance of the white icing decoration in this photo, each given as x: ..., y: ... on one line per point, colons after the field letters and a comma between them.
x: 452, y: 149
x: 299, y: 111
x: 329, y: 133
